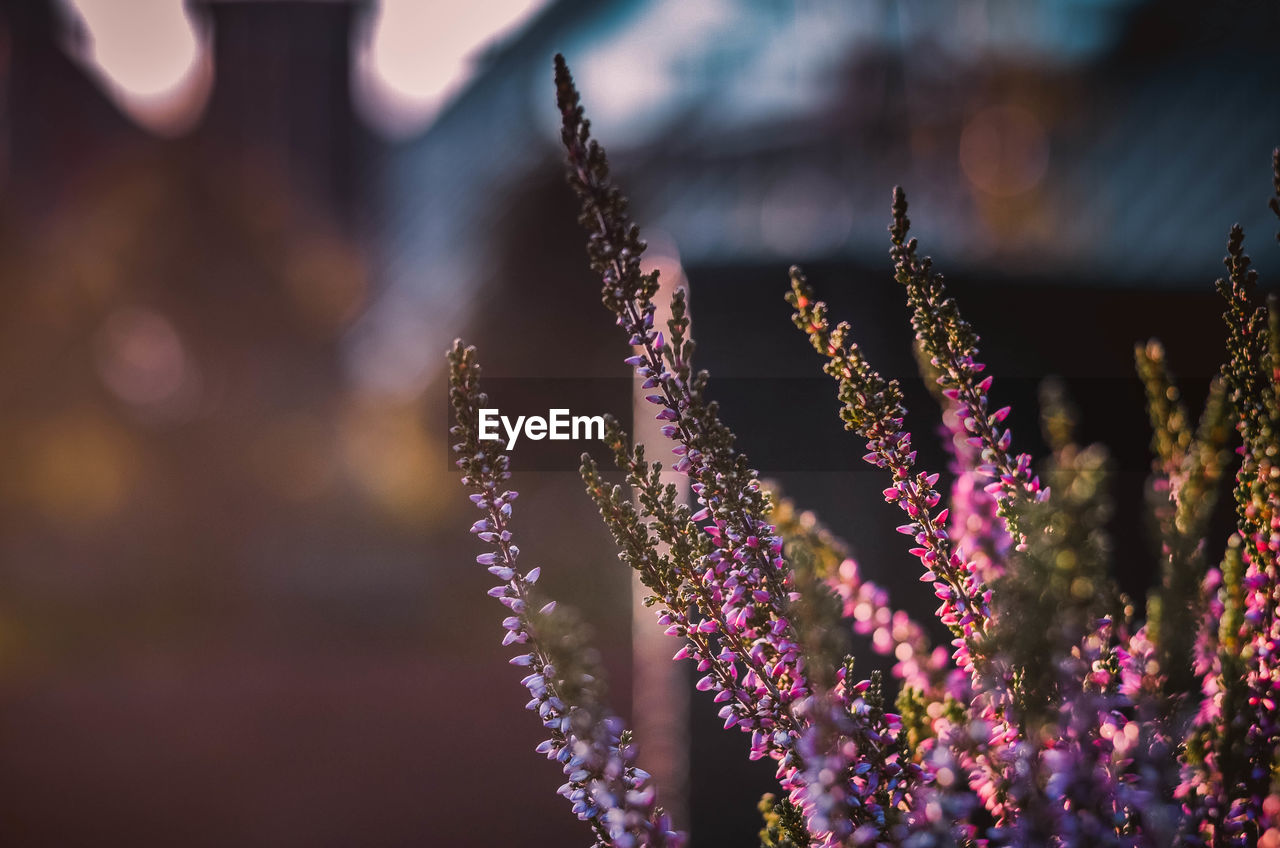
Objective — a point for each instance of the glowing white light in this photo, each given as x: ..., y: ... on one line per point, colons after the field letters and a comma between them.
x: 148, y: 56
x: 416, y: 56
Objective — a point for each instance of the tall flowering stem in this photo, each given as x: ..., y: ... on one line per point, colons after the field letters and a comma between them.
x: 976, y: 528
x: 834, y: 757
x: 607, y: 790
x: 952, y: 346
x: 678, y: 588
x: 1232, y: 760
x: 745, y: 580
x: 872, y: 407
x: 1252, y: 373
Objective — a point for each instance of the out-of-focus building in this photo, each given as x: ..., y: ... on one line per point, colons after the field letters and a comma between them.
x: 1036, y: 139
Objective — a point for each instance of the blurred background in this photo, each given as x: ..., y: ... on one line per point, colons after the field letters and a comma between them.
x: 238, y: 603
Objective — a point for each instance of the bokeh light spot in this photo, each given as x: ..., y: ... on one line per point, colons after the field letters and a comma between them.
x: 1004, y: 151
x: 140, y: 357
x: 79, y: 467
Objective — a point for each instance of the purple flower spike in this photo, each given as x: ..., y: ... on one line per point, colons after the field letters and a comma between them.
x: 605, y: 787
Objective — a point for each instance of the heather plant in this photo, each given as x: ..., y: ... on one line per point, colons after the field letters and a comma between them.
x: 1059, y: 714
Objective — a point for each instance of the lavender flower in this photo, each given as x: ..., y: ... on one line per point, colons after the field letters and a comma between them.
x: 741, y: 585
x: 604, y: 785
x: 676, y: 584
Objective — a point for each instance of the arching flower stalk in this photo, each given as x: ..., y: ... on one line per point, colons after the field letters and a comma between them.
x: 678, y: 587
x: 1230, y: 763
x: 872, y: 407
x: 607, y: 789
x: 742, y: 582
x: 952, y: 347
